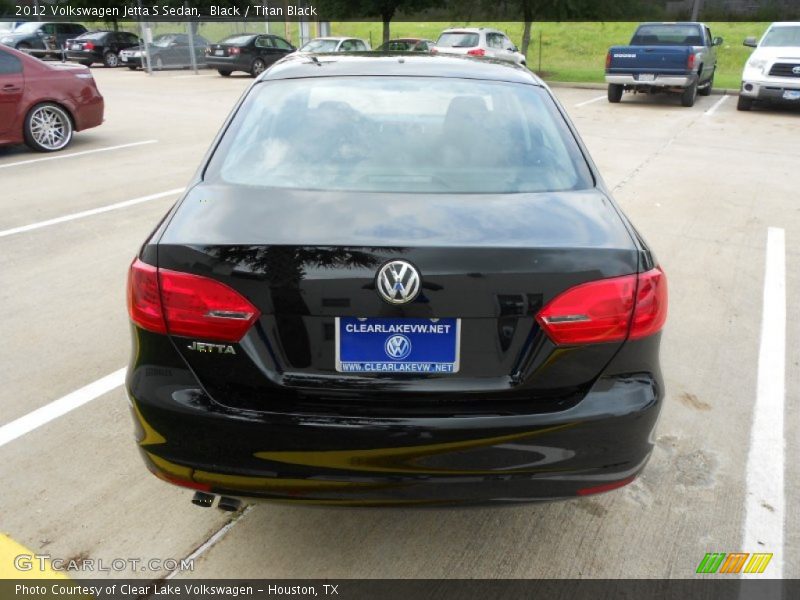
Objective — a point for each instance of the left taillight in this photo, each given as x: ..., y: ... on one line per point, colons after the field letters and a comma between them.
x: 187, y: 305
x: 609, y: 310
x: 690, y: 61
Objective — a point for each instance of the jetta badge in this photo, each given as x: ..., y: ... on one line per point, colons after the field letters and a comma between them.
x: 796, y: 70
x: 398, y: 282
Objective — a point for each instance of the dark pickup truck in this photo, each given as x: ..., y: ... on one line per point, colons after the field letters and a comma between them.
x: 664, y: 57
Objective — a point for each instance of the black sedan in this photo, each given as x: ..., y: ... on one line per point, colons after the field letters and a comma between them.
x: 246, y: 52
x: 359, y: 301
x: 100, y: 46
x: 168, y: 51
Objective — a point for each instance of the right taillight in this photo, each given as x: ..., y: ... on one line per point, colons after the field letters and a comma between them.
x: 609, y: 310
x: 477, y: 52
x: 187, y: 305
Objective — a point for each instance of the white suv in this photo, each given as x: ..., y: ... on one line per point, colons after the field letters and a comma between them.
x: 478, y: 41
x: 772, y: 72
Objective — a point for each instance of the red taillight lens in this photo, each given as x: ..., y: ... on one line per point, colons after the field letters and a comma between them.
x: 651, y: 304
x: 187, y: 305
x: 609, y: 310
x: 477, y: 52
x: 434, y: 51
x: 690, y: 61
x: 144, y: 298
x: 234, y: 50
x: 88, y: 45
x: 605, y: 487
x: 608, y: 60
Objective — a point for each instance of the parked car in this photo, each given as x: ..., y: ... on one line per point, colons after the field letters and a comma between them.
x: 407, y: 45
x: 43, y: 104
x: 772, y: 73
x: 168, y: 51
x: 42, y: 38
x: 248, y: 52
x: 100, y: 46
x: 9, y: 26
x: 353, y: 304
x: 335, y: 44
x: 478, y: 42
x: 664, y: 57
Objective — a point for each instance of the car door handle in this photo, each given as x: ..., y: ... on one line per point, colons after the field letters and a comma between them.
x: 10, y: 87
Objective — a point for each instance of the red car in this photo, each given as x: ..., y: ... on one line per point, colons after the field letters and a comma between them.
x: 43, y: 104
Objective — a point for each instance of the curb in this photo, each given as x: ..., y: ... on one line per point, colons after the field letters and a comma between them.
x: 602, y: 86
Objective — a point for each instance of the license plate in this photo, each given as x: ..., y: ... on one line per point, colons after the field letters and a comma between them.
x: 380, y: 345
x: 647, y: 77
x: 219, y: 52
x: 791, y: 94
x: 77, y: 47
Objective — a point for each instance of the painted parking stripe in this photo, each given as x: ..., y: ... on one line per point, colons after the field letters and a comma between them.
x: 57, y: 408
x: 88, y: 213
x: 765, y: 500
x: 10, y: 549
x: 716, y: 105
x: 590, y: 101
x: 74, y: 154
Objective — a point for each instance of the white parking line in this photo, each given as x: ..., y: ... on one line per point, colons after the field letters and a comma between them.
x: 590, y: 101
x: 716, y: 105
x: 88, y: 213
x: 764, y: 504
x: 84, y: 153
x: 48, y: 412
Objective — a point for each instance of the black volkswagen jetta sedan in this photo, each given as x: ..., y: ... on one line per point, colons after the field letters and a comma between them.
x: 396, y: 280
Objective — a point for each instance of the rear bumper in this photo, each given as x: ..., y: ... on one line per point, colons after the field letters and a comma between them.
x: 681, y: 81
x: 188, y: 439
x: 227, y: 62
x: 82, y: 56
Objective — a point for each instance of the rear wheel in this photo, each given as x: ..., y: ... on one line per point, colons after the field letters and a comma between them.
x: 706, y: 89
x: 48, y: 128
x: 259, y: 66
x: 615, y: 92
x: 689, y: 95
x: 23, y: 47
x: 224, y: 72
x: 744, y: 103
x: 159, y: 66
x: 111, y: 60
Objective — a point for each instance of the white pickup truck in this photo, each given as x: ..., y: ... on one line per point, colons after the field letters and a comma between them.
x: 772, y: 73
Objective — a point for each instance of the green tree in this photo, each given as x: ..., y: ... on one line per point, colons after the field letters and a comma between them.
x: 385, y: 9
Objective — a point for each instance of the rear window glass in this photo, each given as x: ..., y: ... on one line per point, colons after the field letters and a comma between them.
x: 445, y: 136
x: 782, y: 36
x: 668, y: 35
x: 458, y: 40
x: 237, y: 40
x: 320, y: 46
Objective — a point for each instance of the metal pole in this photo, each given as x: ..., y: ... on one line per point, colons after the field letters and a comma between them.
x: 540, y: 52
x: 696, y: 8
x: 192, y: 57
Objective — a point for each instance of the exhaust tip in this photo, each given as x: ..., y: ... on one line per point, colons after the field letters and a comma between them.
x: 229, y: 504
x: 203, y: 499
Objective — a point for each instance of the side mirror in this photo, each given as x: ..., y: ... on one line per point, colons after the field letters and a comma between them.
x: 718, y: 41
x: 750, y: 42
x: 514, y: 49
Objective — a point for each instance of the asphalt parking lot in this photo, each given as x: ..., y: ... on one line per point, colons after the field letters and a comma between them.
x: 713, y: 190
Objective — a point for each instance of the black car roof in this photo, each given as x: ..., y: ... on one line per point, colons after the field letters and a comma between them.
x: 372, y: 64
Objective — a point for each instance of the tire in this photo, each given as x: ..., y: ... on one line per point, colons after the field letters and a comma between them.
x: 689, y: 95
x: 159, y: 66
x: 615, y: 92
x: 48, y: 128
x: 224, y: 72
x: 111, y: 60
x: 23, y: 46
x: 258, y: 67
x: 706, y: 89
x: 744, y: 103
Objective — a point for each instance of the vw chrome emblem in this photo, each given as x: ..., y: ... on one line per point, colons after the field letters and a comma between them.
x: 397, y: 347
x: 796, y: 70
x: 398, y: 282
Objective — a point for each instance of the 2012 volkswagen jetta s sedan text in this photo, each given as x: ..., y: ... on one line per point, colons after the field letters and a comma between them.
x: 396, y: 280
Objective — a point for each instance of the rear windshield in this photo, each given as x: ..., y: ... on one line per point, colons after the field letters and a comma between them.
x: 320, y: 46
x: 446, y: 135
x: 458, y: 40
x: 668, y: 35
x: 397, y: 46
x: 782, y: 36
x: 238, y: 40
